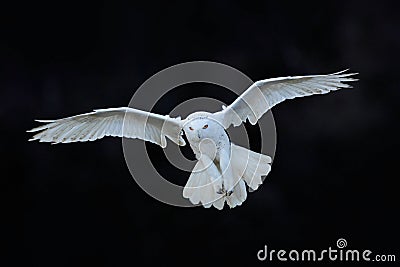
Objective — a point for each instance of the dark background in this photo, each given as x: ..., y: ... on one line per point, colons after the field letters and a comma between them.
x: 335, y: 173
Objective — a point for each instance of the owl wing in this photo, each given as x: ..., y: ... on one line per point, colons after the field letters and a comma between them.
x: 265, y: 94
x: 121, y: 122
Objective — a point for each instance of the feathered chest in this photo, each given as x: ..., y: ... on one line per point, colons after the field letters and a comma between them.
x: 206, y: 136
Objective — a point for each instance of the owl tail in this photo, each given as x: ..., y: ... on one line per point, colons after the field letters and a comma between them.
x: 250, y: 166
x: 203, y: 185
x: 205, y: 181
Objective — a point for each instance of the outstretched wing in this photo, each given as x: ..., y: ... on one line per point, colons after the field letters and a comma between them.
x: 121, y: 122
x: 264, y: 94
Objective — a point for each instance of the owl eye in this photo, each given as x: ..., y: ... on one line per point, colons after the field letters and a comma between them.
x: 205, y: 126
x: 190, y: 128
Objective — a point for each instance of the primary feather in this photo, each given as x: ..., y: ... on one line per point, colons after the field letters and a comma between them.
x: 265, y: 94
x: 121, y: 122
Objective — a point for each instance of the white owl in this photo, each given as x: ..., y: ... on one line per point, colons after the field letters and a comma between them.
x: 223, y: 169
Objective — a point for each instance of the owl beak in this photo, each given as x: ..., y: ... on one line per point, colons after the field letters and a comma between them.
x: 198, y: 135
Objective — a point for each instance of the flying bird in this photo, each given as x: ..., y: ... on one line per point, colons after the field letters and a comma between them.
x: 222, y: 169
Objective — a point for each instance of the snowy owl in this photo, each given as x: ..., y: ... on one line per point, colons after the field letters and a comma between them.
x: 222, y: 169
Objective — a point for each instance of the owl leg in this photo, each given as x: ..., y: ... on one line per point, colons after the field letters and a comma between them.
x: 228, y: 180
x: 212, y: 171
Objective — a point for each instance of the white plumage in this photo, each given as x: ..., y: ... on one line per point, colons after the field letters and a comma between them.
x: 223, y: 168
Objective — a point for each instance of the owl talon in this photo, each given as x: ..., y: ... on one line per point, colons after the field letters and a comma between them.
x: 221, y: 191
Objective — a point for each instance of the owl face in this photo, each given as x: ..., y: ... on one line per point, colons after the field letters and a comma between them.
x: 200, y: 128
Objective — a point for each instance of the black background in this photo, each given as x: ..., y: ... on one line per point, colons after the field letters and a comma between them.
x: 335, y: 172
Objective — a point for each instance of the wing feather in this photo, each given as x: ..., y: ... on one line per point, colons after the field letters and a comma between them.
x: 265, y: 94
x: 121, y: 122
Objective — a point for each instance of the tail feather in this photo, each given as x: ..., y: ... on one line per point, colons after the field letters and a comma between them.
x: 248, y: 167
x: 251, y: 165
x: 201, y: 186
